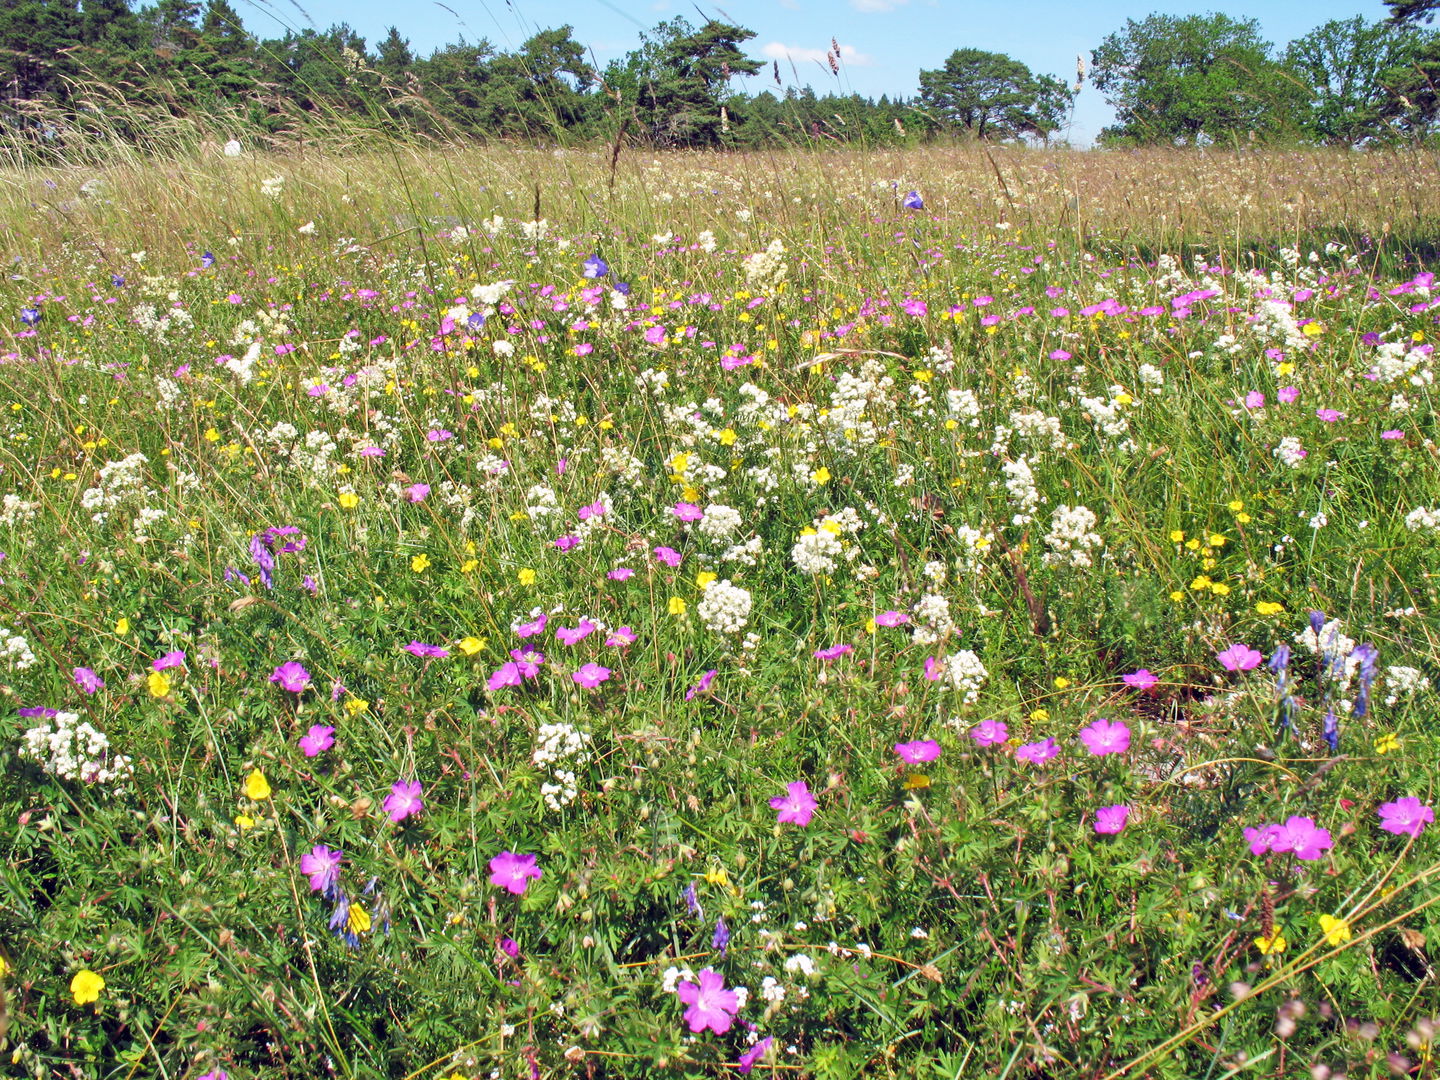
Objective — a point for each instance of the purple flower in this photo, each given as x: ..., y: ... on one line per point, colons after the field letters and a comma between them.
x: 322, y: 865
x: 1287, y: 394
x: 1239, y: 657
x: 429, y: 652
x: 919, y: 751
x: 1140, y: 680
x: 591, y: 675
x: 669, y: 556
x: 754, y: 1054
x: 175, y: 658
x: 912, y: 201
x: 1037, y: 753
x: 527, y: 661
x: 891, y: 618
x: 798, y: 806
x: 701, y: 686
x: 711, y: 1005
x: 507, y: 674
x: 1303, y: 837
x: 215, y: 1074
x: 416, y: 492
x: 510, y: 947
x: 565, y: 543
x: 87, y: 680
x: 594, y: 267
x: 513, y: 872
x: 622, y: 637
x: 317, y: 740
x: 1106, y: 737
x: 404, y: 800
x: 533, y: 627
x: 1111, y: 819
x: 1262, y: 839
x: 687, y: 511
x: 721, y: 938
x: 29, y: 315
x: 833, y: 652
x: 573, y: 635
x: 989, y: 733
x: 620, y: 573
x: 291, y: 676
x: 1405, y: 816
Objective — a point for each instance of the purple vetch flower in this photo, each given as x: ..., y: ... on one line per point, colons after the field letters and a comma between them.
x: 322, y: 866
x: 1405, y: 816
x: 721, y: 938
x: 748, y: 1059
x: 317, y: 740
x: 1038, y: 753
x: 404, y: 800
x: 87, y: 680
x: 1368, y: 655
x: 1331, y: 730
x: 1106, y: 737
x: 1239, y: 657
x: 918, y: 752
x: 291, y: 676
x: 1111, y: 819
x: 711, y: 1005
x: 989, y: 733
x: 692, y: 901
x: 797, y: 806
x: 514, y: 872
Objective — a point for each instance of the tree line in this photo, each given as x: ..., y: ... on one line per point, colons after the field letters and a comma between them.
x: 69, y: 65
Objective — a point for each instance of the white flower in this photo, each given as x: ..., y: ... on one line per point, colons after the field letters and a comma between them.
x: 307, y: 229
x: 725, y: 608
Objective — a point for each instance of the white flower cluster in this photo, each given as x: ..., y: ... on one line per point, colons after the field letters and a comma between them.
x: 1024, y: 495
x: 932, y: 619
x: 561, y: 748
x: 817, y: 548
x: 966, y: 673
x: 1040, y: 429
x: 1289, y: 452
x: 1394, y: 362
x: 1071, y: 537
x: 766, y: 269
x: 65, y: 747
x: 272, y: 187
x: 16, y: 650
x: 15, y: 510
x: 1403, y: 682
x: 725, y: 608
x: 1152, y: 378
x: 1423, y: 517
x: 720, y: 522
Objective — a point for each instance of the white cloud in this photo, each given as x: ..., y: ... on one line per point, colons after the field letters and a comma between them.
x: 876, y: 5
x: 849, y: 55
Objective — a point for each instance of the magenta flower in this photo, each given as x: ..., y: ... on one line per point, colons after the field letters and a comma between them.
x: 1287, y: 394
x: 322, y: 865
x: 919, y: 751
x: 1140, y: 680
x: 1038, y: 753
x: 620, y: 573
x: 1106, y: 737
x: 595, y: 509
x: 403, y: 800
x: 533, y: 627
x: 1239, y: 658
x: 317, y: 740
x: 1329, y: 415
x: 701, y: 686
x: 891, y: 618
x: 1392, y: 433
x: 622, y: 637
x: 572, y: 635
x: 747, y: 1060
x: 1111, y: 819
x: 508, y: 674
x: 1303, y: 837
x: 591, y: 675
x: 1405, y: 816
x: 1262, y: 838
x: 527, y: 661
x: 797, y: 807
x: 416, y: 492
x: 834, y: 652
x: 87, y: 680
x: 429, y: 652
x: 565, y: 543
x: 711, y: 1005
x: 291, y: 676
x: 514, y: 872
x: 669, y: 556
x: 173, y: 659
x: 989, y: 733
x: 687, y: 511
x: 1254, y: 400
x: 933, y: 670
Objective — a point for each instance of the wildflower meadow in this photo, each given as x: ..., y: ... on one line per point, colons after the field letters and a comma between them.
x: 503, y: 613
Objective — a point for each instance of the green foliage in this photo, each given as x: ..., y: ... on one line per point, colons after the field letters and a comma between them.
x: 988, y: 95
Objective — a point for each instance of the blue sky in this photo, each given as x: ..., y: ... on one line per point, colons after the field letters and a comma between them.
x: 885, y: 42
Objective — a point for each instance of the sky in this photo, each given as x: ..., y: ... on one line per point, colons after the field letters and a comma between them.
x: 884, y: 44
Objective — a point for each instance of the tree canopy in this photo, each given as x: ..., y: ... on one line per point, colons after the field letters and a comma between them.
x: 988, y: 95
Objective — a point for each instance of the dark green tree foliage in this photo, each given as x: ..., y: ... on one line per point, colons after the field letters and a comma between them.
x: 38, y: 44
x: 1195, y: 79
x: 1415, y: 85
x: 987, y: 95
x: 1353, y: 69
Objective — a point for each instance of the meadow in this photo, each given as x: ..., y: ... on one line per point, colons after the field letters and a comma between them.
x: 489, y: 612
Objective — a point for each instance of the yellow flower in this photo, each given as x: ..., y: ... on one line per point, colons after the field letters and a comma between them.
x: 1270, y: 946
x: 1243, y: 519
x: 676, y: 605
x: 717, y: 877
x: 1386, y: 743
x: 86, y: 986
x: 1219, y: 588
x: 358, y: 921
x: 356, y: 705
x: 1236, y: 505
x: 1269, y: 607
x: 916, y: 780
x: 123, y: 626
x: 420, y: 563
x: 471, y: 645
x: 1313, y: 329
x: 1061, y: 682
x: 821, y: 475
x: 349, y: 500
x: 159, y: 683
x: 871, y: 626
x: 1336, y: 930
x: 1215, y: 540
x: 704, y: 578
x: 1176, y: 536
x: 469, y: 566
x: 256, y: 786
x: 728, y: 437
x: 526, y: 576
x: 1192, y: 544
x: 4, y: 968
x: 1287, y: 368
x: 244, y: 821
x: 1177, y: 596
x: 1040, y: 715
x: 1201, y: 583
x: 211, y: 435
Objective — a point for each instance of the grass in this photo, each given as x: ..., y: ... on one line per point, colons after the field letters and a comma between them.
x: 910, y: 477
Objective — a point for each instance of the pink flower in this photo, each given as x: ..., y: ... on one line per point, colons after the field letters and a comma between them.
x: 1140, y: 680
x: 87, y: 680
x: 573, y: 635
x: 1111, y: 819
x: 591, y: 675
x: 1038, y: 753
x: 416, y: 492
x: 687, y: 511
x: 291, y: 676
x: 701, y: 686
x: 622, y: 637
x: 1239, y: 658
x: 317, y: 740
x: 1287, y: 394
x: 594, y: 510
x: 919, y: 751
x: 620, y: 573
x: 533, y: 627
x: 747, y: 1060
x: 891, y: 618
x: 833, y: 652
x: 1405, y: 816
x: 565, y: 543
x: 1393, y: 433
x: 428, y: 652
x: 322, y: 866
x: 1106, y: 737
x: 989, y: 733
x: 1303, y: 837
x: 1262, y: 839
x: 514, y: 872
x: 669, y: 556
x: 508, y: 674
x: 1329, y: 415
x: 169, y: 660
x: 711, y: 1005
x: 1254, y: 400
x: 797, y: 807
x: 403, y: 800
x: 933, y: 671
